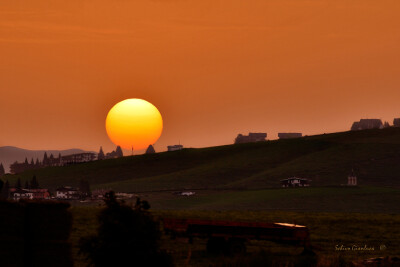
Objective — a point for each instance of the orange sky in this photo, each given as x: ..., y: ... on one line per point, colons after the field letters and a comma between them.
x: 213, y: 68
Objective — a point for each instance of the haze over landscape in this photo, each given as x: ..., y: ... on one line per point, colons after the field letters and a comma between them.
x: 213, y: 69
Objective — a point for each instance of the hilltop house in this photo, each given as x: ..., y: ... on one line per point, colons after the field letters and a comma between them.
x: 77, y: 158
x: 289, y: 135
x: 175, y: 147
x: 252, y: 137
x: 364, y: 124
x: 295, y: 182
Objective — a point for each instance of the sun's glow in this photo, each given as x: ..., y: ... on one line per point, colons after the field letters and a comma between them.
x: 134, y: 123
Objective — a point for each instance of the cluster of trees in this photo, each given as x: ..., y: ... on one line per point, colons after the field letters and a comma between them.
x: 49, y: 161
x: 5, y: 187
x: 2, y: 172
x: 17, y: 167
x: 126, y: 236
x: 117, y: 153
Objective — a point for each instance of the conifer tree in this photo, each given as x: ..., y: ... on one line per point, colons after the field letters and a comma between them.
x: 6, y: 190
x: 84, y: 188
x: 2, y: 172
x: 150, y: 150
x: 34, y: 183
x: 100, y: 156
x: 26, y: 161
x: 37, y: 164
x: 119, y: 152
x: 45, y: 159
x: 18, y: 183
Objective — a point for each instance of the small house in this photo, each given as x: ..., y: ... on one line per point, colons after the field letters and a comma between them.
x: 175, y: 147
x: 67, y: 192
x: 295, y: 182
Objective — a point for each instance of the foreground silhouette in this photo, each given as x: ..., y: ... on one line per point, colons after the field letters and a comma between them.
x: 126, y: 236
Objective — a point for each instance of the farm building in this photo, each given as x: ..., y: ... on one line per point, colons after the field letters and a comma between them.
x: 289, y: 135
x: 37, y: 193
x: 175, y: 147
x: 295, y: 182
x: 252, y: 137
x: 67, y: 192
x: 77, y: 158
x: 364, y: 124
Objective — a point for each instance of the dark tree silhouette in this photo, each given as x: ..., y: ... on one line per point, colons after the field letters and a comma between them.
x: 18, y: 183
x: 150, y: 150
x: 5, y: 190
x: 119, y: 152
x: 45, y: 159
x: 34, y: 183
x: 101, y: 156
x: 1, y: 185
x: 84, y: 188
x: 125, y: 235
x: 2, y: 172
x: 26, y: 161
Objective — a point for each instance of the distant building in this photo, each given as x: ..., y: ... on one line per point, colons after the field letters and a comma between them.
x: 67, y: 192
x: 289, y: 135
x: 175, y: 147
x: 352, y: 179
x: 365, y: 124
x: 78, y: 158
x: 396, y: 122
x: 37, y: 193
x: 252, y: 137
x: 150, y: 150
x: 19, y: 193
x: 295, y: 182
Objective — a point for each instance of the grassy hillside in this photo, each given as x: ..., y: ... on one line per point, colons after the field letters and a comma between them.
x: 325, y: 159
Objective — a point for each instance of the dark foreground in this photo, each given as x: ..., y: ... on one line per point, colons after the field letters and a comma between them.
x: 338, y: 239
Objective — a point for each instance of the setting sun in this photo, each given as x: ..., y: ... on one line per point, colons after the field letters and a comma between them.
x: 134, y: 123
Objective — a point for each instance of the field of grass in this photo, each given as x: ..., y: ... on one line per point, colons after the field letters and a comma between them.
x: 325, y: 159
x: 327, y: 230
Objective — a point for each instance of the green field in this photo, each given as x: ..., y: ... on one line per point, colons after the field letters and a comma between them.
x: 325, y: 159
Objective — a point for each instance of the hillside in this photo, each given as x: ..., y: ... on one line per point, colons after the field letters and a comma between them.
x: 325, y: 159
x: 10, y: 154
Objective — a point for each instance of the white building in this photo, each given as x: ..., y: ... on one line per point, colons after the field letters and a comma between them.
x: 175, y: 147
x: 67, y: 192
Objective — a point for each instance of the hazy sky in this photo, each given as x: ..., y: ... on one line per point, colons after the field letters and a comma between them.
x: 213, y: 68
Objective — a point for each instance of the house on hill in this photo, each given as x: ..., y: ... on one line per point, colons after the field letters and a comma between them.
x: 77, y: 158
x: 365, y: 124
x: 396, y: 122
x: 252, y: 137
x: 289, y: 135
x: 295, y: 182
x: 175, y: 147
